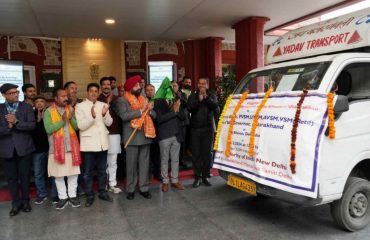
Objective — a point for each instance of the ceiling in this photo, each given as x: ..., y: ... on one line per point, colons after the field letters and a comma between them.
x: 146, y: 20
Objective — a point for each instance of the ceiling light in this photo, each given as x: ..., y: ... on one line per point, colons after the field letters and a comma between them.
x: 110, y: 21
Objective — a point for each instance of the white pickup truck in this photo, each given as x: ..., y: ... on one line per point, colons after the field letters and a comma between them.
x: 335, y: 171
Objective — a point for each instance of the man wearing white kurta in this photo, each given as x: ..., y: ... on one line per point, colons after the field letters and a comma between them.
x: 64, y: 152
x: 92, y: 119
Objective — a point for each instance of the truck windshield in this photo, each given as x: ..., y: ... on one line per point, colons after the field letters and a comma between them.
x: 292, y: 78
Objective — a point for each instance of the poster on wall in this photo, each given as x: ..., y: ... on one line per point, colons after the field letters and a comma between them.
x: 159, y: 71
x: 11, y: 72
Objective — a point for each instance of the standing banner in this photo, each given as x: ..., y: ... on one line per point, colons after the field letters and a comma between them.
x: 270, y: 163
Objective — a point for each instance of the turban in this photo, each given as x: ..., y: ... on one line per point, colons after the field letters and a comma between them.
x: 131, y: 82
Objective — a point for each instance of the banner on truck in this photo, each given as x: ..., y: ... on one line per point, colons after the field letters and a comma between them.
x: 338, y: 34
x: 270, y: 164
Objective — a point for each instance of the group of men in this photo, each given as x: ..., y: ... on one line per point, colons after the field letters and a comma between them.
x: 73, y: 137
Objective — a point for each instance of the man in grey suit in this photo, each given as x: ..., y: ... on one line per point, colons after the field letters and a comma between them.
x: 132, y: 109
x: 17, y: 121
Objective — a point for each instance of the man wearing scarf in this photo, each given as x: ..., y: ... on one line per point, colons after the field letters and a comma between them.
x: 64, y: 149
x: 136, y: 113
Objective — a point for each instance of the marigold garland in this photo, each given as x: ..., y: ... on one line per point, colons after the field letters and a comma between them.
x: 331, y: 115
x: 294, y: 131
x: 221, y: 119
x: 232, y: 121
x: 255, y: 121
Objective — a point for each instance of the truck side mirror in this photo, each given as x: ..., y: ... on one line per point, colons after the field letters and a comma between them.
x: 341, y: 105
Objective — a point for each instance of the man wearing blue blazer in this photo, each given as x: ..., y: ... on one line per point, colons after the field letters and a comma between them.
x: 17, y: 121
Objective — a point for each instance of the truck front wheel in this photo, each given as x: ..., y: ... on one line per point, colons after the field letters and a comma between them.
x: 352, y: 212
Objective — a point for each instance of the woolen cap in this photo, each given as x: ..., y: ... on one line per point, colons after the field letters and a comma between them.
x: 39, y: 97
x: 131, y: 82
x: 7, y: 86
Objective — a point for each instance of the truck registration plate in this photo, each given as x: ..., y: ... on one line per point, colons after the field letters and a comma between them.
x: 242, y: 184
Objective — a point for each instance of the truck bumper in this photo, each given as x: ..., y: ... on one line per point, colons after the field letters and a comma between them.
x: 279, y: 194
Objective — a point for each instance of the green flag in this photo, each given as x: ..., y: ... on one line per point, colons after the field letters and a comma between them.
x: 164, y: 91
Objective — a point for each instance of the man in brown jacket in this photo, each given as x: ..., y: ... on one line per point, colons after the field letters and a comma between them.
x: 115, y: 131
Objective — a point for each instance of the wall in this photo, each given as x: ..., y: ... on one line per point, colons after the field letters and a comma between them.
x: 228, y: 53
x: 86, y: 61
x: 42, y: 53
x: 139, y: 53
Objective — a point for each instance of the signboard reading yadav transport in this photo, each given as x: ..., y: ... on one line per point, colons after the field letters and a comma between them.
x: 337, y: 34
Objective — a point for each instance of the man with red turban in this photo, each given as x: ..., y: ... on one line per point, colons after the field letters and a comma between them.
x: 136, y: 113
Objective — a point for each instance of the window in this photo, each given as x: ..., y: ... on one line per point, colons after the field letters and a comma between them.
x: 354, y: 81
x: 292, y: 78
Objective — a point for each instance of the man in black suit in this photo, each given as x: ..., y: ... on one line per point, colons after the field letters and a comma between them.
x: 17, y: 121
x: 202, y: 104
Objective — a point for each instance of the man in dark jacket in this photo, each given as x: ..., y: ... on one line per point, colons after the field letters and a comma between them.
x: 170, y: 118
x: 41, y: 154
x: 202, y: 104
x: 17, y: 121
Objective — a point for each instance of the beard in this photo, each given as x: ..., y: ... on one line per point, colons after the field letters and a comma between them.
x: 137, y: 92
x: 106, y: 91
x: 187, y: 87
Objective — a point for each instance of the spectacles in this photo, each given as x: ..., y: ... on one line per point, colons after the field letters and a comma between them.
x: 13, y: 93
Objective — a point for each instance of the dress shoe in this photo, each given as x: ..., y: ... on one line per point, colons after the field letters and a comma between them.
x: 197, y: 182
x: 146, y: 195
x: 106, y: 197
x: 26, y: 207
x: 206, y: 182
x: 130, y: 195
x: 165, y: 187
x: 178, y: 186
x: 14, y: 211
x: 89, y: 202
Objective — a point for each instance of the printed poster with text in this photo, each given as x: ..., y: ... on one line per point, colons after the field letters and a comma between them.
x: 270, y: 164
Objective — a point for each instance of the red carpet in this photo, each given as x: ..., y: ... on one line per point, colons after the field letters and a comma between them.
x: 183, y: 175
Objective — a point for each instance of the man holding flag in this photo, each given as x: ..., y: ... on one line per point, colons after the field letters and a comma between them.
x: 170, y: 118
x: 138, y: 131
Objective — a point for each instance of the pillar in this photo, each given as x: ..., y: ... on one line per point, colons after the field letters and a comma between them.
x: 249, y: 46
x: 203, y: 58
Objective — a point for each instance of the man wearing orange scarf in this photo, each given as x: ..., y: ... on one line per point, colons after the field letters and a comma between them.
x: 64, y: 149
x: 136, y: 113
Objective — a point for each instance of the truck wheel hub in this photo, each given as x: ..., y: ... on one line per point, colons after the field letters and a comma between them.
x: 358, y: 205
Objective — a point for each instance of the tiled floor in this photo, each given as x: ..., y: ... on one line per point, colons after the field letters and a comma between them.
x: 212, y: 213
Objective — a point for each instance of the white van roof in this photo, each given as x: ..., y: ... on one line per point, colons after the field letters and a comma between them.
x: 338, y: 34
x: 322, y: 58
